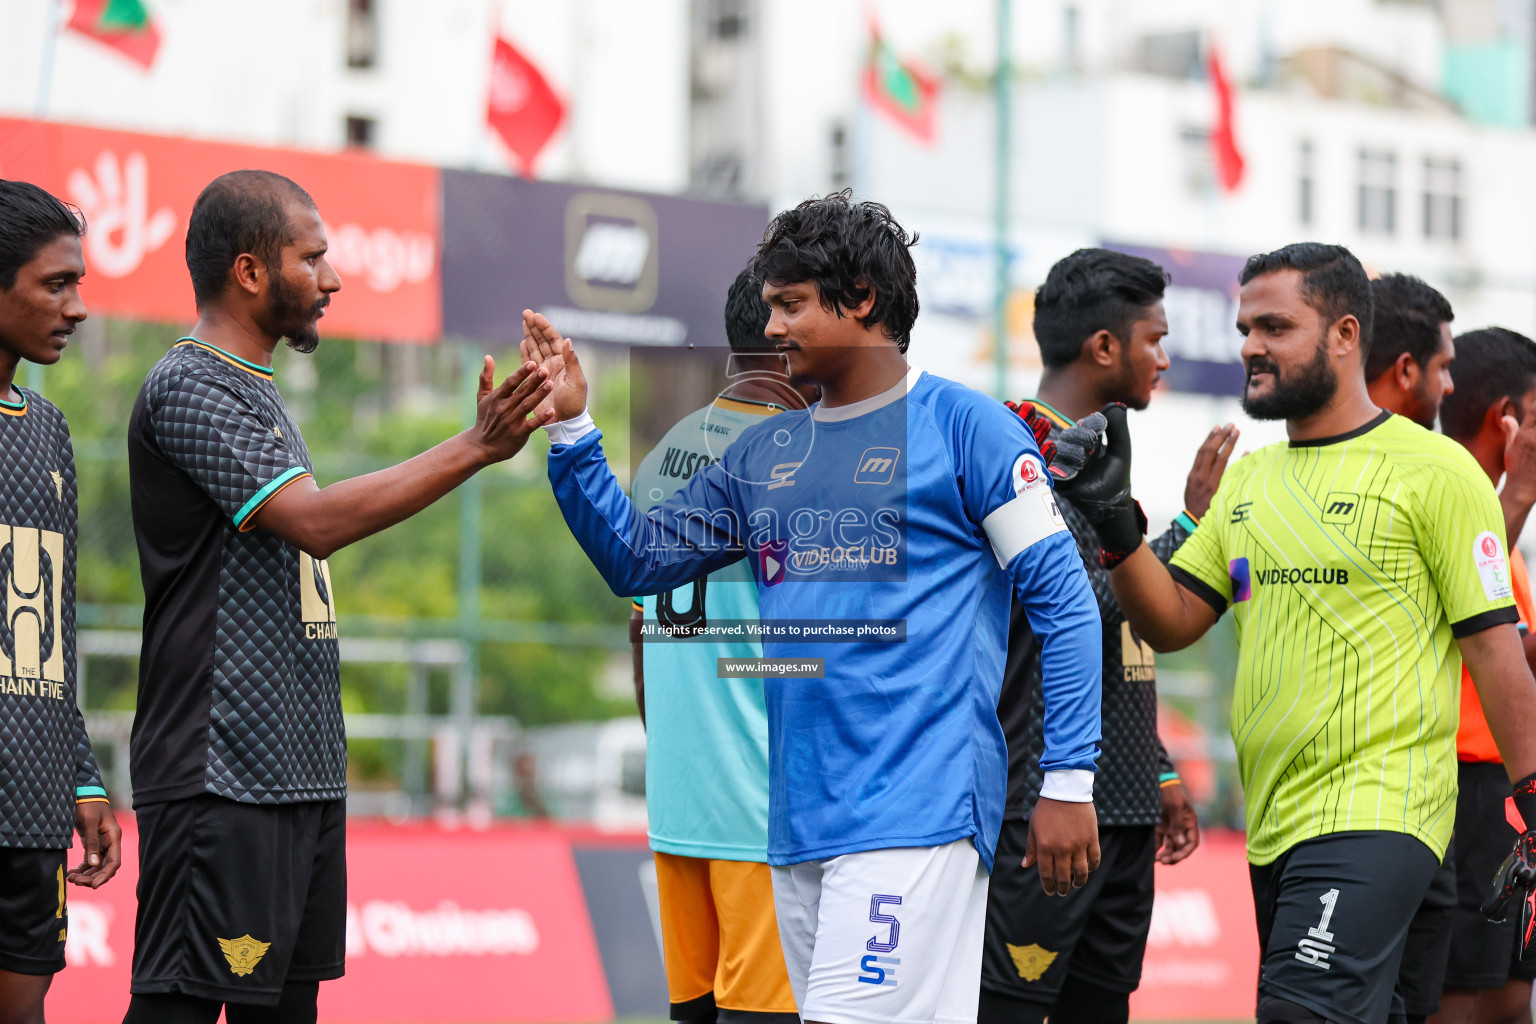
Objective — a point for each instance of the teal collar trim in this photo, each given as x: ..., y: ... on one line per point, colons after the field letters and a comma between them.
x: 244, y: 364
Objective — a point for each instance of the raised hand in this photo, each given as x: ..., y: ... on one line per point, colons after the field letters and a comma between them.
x: 1210, y: 464
x: 555, y: 355
x: 506, y: 416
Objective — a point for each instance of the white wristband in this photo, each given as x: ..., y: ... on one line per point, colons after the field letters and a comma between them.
x: 572, y: 430
x: 1072, y: 785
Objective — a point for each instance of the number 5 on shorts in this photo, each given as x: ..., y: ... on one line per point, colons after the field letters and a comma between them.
x: 881, y: 970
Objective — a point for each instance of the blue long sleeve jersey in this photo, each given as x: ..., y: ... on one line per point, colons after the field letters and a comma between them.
x: 925, y: 504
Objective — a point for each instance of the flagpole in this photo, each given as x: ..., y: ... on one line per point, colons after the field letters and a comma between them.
x: 1002, y: 88
x: 51, y: 22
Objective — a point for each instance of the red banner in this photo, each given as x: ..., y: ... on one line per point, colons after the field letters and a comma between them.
x: 1203, y: 952
x: 136, y: 191
x: 442, y: 925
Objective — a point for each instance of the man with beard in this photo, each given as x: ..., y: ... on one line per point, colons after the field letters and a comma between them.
x: 238, y: 754
x: 1408, y: 365
x: 1352, y: 556
x: 1099, y: 321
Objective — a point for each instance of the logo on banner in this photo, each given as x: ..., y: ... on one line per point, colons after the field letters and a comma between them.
x: 243, y: 953
x: 384, y: 258
x: 31, y: 578
x: 115, y: 202
x: 611, y: 262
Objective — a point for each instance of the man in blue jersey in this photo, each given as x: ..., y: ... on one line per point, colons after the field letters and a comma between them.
x: 706, y: 742
x: 900, y: 505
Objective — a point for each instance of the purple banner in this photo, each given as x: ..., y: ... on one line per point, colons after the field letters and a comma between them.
x: 603, y: 265
x: 1203, y: 345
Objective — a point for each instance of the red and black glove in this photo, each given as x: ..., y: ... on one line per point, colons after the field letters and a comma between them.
x: 1101, y: 487
x: 1515, y: 884
x: 1070, y: 450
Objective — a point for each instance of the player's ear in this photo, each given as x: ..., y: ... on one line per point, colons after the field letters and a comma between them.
x: 1102, y: 349
x: 247, y: 273
x: 1405, y: 371
x: 1345, y: 335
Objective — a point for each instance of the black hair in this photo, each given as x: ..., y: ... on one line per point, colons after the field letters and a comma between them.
x: 846, y: 249
x: 239, y: 212
x: 1408, y: 314
x: 30, y: 218
x: 1332, y: 281
x: 746, y: 314
x: 1089, y: 291
x: 1490, y: 365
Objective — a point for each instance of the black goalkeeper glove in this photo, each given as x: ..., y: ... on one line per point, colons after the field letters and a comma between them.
x: 1100, y: 485
x: 1069, y: 451
x: 1515, y: 884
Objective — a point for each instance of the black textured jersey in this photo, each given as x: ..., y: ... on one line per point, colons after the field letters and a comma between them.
x: 1132, y: 757
x: 46, y: 764
x: 239, y: 693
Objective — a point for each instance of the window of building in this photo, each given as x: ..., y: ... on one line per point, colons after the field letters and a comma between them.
x: 727, y: 19
x: 1376, y: 197
x: 1306, y: 183
x: 1195, y: 155
x: 1442, y: 199
x: 361, y: 131
x: 362, y: 34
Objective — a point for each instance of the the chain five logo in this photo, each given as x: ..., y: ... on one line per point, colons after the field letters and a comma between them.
x: 317, y: 608
x: 31, y: 578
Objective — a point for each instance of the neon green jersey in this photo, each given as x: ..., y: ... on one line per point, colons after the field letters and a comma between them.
x: 1351, y: 563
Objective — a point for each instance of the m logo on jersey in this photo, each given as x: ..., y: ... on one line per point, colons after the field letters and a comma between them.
x: 877, y: 466
x: 772, y: 559
x: 31, y: 578
x: 317, y: 608
x: 1492, y: 566
x: 1341, y: 508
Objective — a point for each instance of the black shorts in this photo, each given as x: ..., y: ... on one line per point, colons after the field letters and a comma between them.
x: 1425, y: 954
x: 1483, y: 954
x: 33, y: 915
x: 237, y: 899
x: 1095, y: 935
x: 1333, y: 916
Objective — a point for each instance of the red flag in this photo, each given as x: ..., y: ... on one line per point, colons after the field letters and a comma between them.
x: 900, y: 88
x: 1224, y: 152
x: 523, y: 109
x: 124, y: 25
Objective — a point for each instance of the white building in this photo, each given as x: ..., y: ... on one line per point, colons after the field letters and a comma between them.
x: 1342, y: 118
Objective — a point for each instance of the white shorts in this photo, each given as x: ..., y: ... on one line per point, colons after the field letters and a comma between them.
x: 885, y: 936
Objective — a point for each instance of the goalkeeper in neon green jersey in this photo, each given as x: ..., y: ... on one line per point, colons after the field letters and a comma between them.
x: 1363, y: 561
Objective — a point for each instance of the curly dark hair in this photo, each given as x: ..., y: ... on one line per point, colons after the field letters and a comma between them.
x: 746, y: 314
x: 1408, y: 314
x: 1090, y: 291
x: 30, y: 218
x: 1332, y: 282
x: 846, y: 249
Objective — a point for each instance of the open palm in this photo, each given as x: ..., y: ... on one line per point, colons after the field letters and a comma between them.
x: 543, y: 345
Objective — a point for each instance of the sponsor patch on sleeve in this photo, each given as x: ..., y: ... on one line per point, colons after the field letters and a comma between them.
x: 1029, y: 474
x: 1492, y: 566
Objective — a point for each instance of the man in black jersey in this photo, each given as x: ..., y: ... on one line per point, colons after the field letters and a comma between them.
x: 1099, y: 321
x: 238, y: 751
x: 49, y: 783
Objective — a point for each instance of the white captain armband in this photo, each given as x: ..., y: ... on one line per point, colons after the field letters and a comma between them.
x: 1028, y: 519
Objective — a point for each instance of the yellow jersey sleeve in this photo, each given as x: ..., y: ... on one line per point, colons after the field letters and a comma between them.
x: 1459, y: 526
x: 1202, y: 565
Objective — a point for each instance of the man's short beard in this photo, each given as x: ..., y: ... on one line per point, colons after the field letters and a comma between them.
x: 1299, y: 395
x: 291, y: 319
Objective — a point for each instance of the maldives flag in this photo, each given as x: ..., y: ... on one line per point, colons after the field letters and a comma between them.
x: 523, y: 110
x: 902, y: 89
x: 1224, y: 151
x: 124, y: 25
